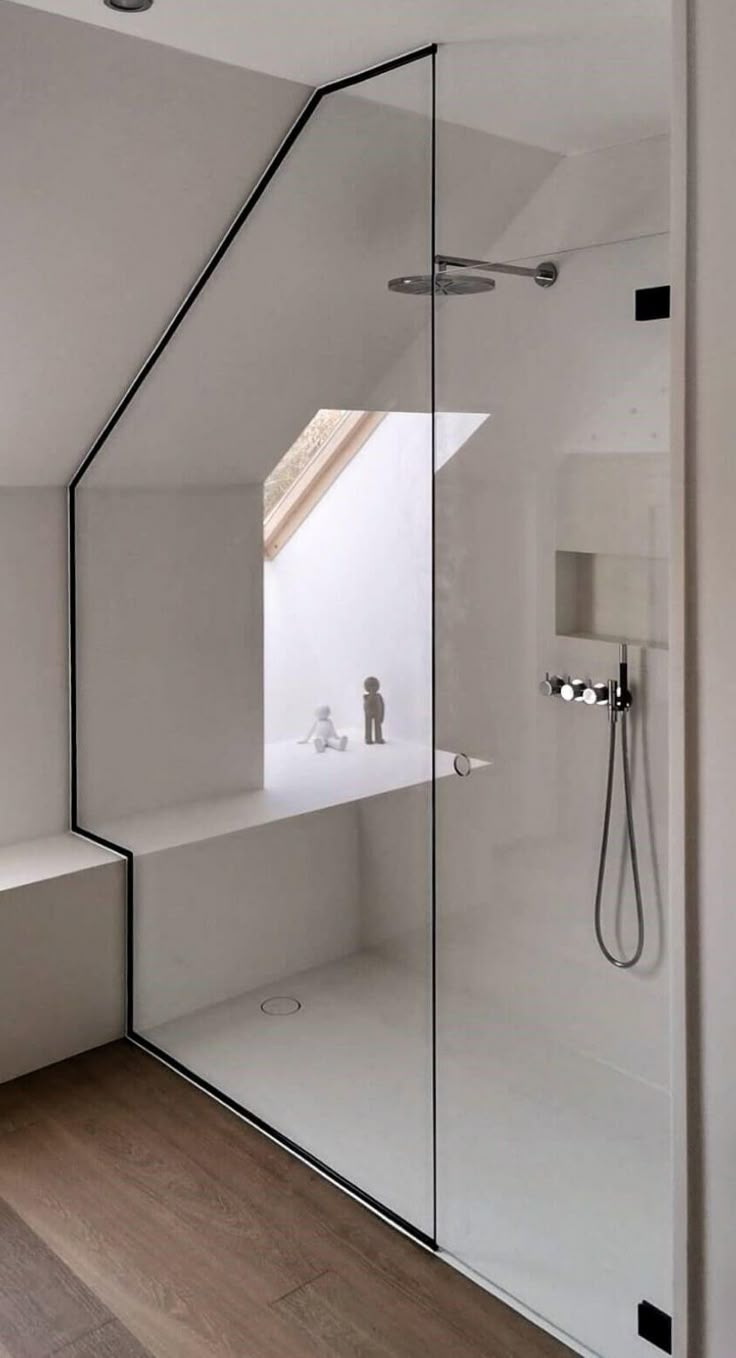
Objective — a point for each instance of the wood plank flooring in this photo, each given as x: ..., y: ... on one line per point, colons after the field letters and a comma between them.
x: 139, y: 1219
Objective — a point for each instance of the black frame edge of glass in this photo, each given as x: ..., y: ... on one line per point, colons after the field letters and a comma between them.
x: 340, y: 1180
x: 427, y: 52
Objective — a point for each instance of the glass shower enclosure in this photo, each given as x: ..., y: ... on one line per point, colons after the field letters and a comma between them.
x: 347, y: 517
x: 551, y: 550
x: 274, y: 881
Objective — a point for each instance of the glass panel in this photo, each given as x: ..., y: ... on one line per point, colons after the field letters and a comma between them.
x: 282, y: 860
x: 552, y: 524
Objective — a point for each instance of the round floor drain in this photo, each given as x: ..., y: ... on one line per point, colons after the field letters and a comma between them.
x: 281, y: 1004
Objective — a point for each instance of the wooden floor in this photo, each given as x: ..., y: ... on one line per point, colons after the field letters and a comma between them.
x: 139, y: 1219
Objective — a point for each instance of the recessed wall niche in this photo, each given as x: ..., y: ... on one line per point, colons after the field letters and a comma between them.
x: 611, y: 557
x: 611, y: 598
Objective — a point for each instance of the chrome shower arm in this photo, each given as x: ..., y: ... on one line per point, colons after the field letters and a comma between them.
x: 544, y: 274
x: 457, y: 262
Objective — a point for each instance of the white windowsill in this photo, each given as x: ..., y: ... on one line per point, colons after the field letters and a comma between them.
x: 297, y: 781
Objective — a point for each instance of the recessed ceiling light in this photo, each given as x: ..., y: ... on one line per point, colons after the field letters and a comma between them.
x: 129, y: 6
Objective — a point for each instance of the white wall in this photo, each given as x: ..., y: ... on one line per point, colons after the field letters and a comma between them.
x: 220, y: 917
x: 395, y: 839
x: 34, y: 707
x: 710, y: 693
x: 350, y: 593
x: 616, y: 194
x: 170, y: 647
x: 571, y: 469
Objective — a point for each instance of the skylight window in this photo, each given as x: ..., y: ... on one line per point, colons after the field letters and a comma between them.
x: 311, y: 465
x: 299, y: 456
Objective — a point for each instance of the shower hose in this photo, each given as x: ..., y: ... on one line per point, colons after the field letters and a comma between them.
x: 616, y: 718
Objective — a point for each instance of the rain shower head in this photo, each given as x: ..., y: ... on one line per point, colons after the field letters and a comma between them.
x: 445, y: 284
x: 451, y: 284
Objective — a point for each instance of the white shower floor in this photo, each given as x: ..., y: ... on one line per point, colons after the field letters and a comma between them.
x: 347, y: 1077
x: 553, y: 1168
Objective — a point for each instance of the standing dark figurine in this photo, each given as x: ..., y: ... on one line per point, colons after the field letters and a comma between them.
x: 375, y: 710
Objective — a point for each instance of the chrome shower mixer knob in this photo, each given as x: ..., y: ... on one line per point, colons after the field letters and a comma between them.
x: 596, y: 695
x: 572, y: 690
x: 551, y: 685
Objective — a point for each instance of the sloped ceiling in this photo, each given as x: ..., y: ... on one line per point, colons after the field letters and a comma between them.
x: 121, y: 162
x: 299, y: 316
x: 589, y: 55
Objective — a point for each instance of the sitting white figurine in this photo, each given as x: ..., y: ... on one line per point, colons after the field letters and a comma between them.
x: 323, y: 730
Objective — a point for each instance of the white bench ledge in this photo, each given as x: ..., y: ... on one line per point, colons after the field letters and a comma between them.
x: 36, y: 860
x: 297, y: 781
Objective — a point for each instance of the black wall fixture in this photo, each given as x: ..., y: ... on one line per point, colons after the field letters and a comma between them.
x: 655, y: 1326
x: 652, y: 304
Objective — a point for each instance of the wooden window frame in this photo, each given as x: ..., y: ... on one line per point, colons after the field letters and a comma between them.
x: 315, y: 479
